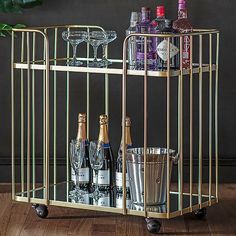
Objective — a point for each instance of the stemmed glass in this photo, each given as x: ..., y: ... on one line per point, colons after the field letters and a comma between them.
x: 74, y: 38
x: 96, y: 157
x: 111, y: 36
x: 77, y: 151
x: 95, y: 39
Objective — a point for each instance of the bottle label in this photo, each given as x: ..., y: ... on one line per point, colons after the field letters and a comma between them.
x: 84, y: 175
x: 119, y: 178
x: 84, y: 199
x: 186, y: 51
x: 162, y: 50
x: 103, y: 177
x: 119, y: 203
x: 103, y: 201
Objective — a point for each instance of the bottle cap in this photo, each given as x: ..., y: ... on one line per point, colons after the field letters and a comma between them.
x: 103, y: 119
x: 145, y: 9
x: 82, y: 117
x: 160, y: 11
x: 182, y: 4
x: 134, y: 17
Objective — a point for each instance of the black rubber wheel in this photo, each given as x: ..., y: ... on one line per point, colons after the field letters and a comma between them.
x: 41, y: 210
x: 153, y: 225
x: 201, y: 213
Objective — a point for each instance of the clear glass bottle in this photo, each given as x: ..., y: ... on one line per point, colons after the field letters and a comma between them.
x: 183, y: 25
x: 85, y: 174
x: 145, y: 26
x: 131, y: 52
x: 119, y: 175
x: 106, y: 173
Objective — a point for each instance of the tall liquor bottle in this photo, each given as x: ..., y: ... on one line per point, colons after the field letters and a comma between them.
x: 106, y: 174
x: 165, y: 27
x: 145, y: 26
x: 183, y: 25
x: 119, y: 176
x: 131, y: 53
x: 160, y: 16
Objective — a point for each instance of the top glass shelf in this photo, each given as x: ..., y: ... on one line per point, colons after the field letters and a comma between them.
x: 115, y: 69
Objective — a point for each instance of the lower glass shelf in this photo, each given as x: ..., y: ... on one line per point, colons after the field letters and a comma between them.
x: 59, y: 196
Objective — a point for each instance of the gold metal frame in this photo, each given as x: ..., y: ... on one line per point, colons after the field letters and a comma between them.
x: 47, y: 64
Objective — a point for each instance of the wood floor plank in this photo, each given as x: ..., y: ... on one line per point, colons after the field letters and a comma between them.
x: 18, y: 219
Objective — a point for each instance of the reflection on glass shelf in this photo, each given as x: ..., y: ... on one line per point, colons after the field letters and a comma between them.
x: 60, y: 192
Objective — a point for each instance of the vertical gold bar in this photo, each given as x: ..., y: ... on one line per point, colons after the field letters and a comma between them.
x: 88, y: 83
x: 216, y: 114
x: 145, y: 125
x: 22, y: 116
x: 33, y: 116
x: 55, y: 115
x: 191, y: 125
x: 180, y: 129
x: 200, y: 124
x: 210, y: 118
x: 168, y: 128
x: 67, y: 123
x: 124, y: 93
x: 44, y: 117
x: 47, y: 131
x: 13, y: 117
x: 28, y: 116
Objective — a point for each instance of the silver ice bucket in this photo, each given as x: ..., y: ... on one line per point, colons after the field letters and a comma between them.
x: 156, y: 174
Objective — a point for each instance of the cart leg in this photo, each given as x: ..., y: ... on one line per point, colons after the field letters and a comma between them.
x: 153, y: 225
x: 41, y: 210
x: 201, y: 213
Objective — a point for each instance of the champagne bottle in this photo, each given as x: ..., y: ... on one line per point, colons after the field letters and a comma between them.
x: 119, y: 176
x: 85, y: 174
x: 106, y: 173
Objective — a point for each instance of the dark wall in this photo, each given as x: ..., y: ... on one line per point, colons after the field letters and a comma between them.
x: 115, y: 15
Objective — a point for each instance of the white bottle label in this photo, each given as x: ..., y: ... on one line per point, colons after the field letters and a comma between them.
x: 162, y: 50
x: 103, y: 201
x: 119, y: 203
x: 84, y: 199
x: 119, y: 178
x: 84, y: 175
x: 103, y: 177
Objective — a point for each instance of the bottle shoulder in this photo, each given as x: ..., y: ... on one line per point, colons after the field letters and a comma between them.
x: 182, y: 25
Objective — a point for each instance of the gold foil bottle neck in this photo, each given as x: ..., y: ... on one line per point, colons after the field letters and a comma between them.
x: 82, y: 118
x: 81, y: 135
x: 103, y: 119
x: 127, y: 122
x: 103, y: 133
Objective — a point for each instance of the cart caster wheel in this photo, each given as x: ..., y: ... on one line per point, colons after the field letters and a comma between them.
x: 41, y: 210
x: 153, y: 225
x: 201, y: 213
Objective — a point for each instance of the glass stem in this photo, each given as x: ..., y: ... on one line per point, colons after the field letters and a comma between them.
x: 74, y: 51
x: 77, y: 180
x: 95, y: 49
x: 96, y: 187
x: 104, y: 51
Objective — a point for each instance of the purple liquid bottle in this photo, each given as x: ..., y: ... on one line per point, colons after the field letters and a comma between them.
x: 145, y: 26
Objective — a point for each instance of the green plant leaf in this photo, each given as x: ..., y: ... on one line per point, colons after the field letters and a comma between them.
x: 19, y: 26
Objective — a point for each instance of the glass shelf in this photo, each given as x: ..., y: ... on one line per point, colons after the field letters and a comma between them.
x: 60, y: 193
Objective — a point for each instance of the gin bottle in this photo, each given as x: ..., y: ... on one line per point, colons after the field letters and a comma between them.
x: 165, y: 27
x: 131, y: 53
x: 183, y: 25
x: 145, y: 26
x: 119, y: 175
x: 160, y: 16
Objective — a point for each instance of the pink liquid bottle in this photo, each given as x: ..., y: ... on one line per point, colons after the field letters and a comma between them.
x: 183, y: 25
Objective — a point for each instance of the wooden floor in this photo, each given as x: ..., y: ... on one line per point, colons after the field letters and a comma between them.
x: 20, y: 219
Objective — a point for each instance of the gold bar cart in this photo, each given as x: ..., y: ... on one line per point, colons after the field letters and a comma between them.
x: 35, y: 75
